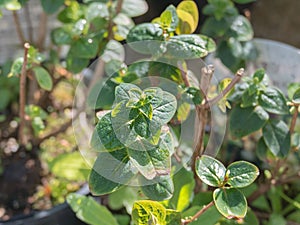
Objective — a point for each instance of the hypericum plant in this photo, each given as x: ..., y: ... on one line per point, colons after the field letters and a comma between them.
x: 136, y: 139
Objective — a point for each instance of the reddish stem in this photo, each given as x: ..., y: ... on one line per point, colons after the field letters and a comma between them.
x: 22, y: 99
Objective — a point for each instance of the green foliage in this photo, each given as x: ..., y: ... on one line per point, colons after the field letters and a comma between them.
x: 71, y: 166
x: 133, y: 134
x: 51, y: 6
x: 149, y: 212
x: 229, y: 201
x: 43, y: 78
x: 89, y: 211
x: 9, y: 88
x: 233, y: 31
x: 37, y: 116
x: 135, y: 139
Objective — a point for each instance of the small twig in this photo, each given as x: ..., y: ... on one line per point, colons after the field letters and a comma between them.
x: 29, y: 23
x: 235, y: 80
x: 119, y: 6
x: 201, y: 114
x: 294, y: 118
x: 206, y: 76
x: 18, y: 27
x: 22, y: 100
x: 199, y: 213
x: 42, y: 31
x: 201, y: 120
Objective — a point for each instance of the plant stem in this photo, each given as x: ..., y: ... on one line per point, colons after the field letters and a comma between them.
x: 22, y: 100
x: 294, y: 119
x: 42, y: 31
x: 29, y: 23
x: 18, y: 27
x: 201, y: 115
x: 119, y: 6
x: 235, y: 80
x: 199, y: 213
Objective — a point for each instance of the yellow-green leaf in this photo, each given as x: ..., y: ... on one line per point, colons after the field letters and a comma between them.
x: 191, y: 8
x: 186, y: 23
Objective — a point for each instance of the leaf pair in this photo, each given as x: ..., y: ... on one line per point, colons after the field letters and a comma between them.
x: 228, y: 199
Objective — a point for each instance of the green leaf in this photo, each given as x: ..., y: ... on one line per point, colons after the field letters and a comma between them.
x: 5, y: 98
x: 123, y: 26
x: 139, y: 35
x: 273, y: 101
x: 250, y: 219
x: 210, y: 171
x: 166, y: 19
x: 165, y: 70
x: 169, y: 19
x: 43, y: 78
x: 277, y: 137
x: 124, y: 197
x: 16, y: 67
x: 249, y: 99
x: 214, y: 28
x: 184, y: 184
x: 71, y: 166
x: 190, y: 46
x: 191, y: 8
x: 259, y: 75
x: 241, y: 29
x: 145, y: 32
x: 107, y: 135
x: 231, y: 54
x: 113, y: 51
x: 296, y: 96
x: 230, y: 202
x: 72, y: 13
x: 89, y: 211
x: 277, y: 219
x: 186, y: 24
x: 295, y: 141
x: 173, y: 217
x: 159, y: 189
x: 163, y: 109
x: 150, y: 162
x: 110, y: 172
x: 95, y: 10
x: 51, y: 6
x: 13, y: 5
x: 61, y: 36
x: 244, y: 121
x: 85, y: 48
x: 241, y: 174
x: 80, y: 27
x: 147, y: 212
x: 292, y: 88
x: 76, y: 64
x: 133, y: 8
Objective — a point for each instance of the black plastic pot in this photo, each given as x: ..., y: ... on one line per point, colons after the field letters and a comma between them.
x: 58, y: 215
